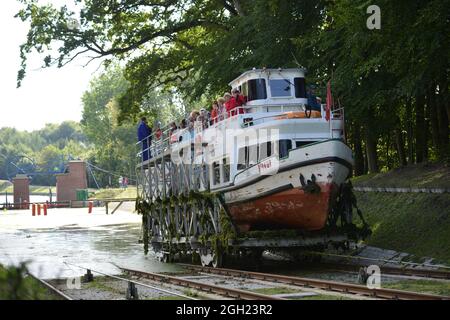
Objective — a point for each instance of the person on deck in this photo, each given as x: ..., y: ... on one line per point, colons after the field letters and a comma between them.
x: 234, y: 105
x: 173, y: 128
x: 158, y: 137
x: 222, y: 109
x: 214, y: 113
x: 144, y: 136
x: 312, y: 99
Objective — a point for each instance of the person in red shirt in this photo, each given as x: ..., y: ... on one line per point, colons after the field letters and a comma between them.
x: 235, y: 103
x: 214, y: 113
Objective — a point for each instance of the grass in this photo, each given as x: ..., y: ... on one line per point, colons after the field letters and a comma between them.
x: 428, y: 175
x: 275, y: 290
x: 168, y: 298
x: 423, y: 286
x: 284, y: 290
x: 323, y: 297
x: 115, y: 193
x: 190, y: 293
x: 98, y: 283
x: 417, y: 223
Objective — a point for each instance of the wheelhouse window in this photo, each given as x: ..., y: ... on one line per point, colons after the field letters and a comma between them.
x: 300, y: 87
x: 280, y: 88
x: 255, y: 89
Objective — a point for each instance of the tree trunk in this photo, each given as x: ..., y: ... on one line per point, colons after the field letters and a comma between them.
x: 420, y: 128
x: 409, y: 131
x: 400, y: 145
x: 371, y: 150
x: 427, y: 132
x: 359, y: 156
x: 431, y: 103
x: 443, y: 120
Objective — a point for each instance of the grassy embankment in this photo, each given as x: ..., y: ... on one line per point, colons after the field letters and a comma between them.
x: 114, y: 193
x: 417, y: 223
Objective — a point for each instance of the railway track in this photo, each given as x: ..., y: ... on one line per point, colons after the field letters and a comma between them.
x: 320, y: 284
x: 133, y: 282
x: 421, y: 273
x: 404, y: 268
x: 222, y: 291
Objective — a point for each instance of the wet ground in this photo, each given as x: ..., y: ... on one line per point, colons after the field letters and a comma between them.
x: 96, y: 240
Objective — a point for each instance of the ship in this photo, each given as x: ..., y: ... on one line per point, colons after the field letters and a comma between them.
x: 275, y: 162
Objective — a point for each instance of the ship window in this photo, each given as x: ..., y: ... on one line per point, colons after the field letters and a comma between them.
x: 299, y: 144
x: 265, y: 150
x: 284, y: 147
x: 216, y: 173
x: 252, y: 155
x: 256, y: 89
x: 300, y: 87
x: 280, y: 88
x: 226, y: 170
x: 242, y: 156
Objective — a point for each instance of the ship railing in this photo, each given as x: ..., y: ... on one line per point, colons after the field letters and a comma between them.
x: 152, y: 146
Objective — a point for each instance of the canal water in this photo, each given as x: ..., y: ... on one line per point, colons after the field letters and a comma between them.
x: 51, y: 244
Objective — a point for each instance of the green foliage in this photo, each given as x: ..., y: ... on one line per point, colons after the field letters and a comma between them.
x: 179, y: 55
x: 416, y: 223
x: 15, y: 285
x: 46, y: 150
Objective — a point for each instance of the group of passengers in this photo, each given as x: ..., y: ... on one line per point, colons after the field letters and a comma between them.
x: 229, y: 105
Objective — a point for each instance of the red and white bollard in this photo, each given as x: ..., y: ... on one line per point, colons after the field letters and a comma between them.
x: 38, y: 209
x: 33, y: 209
x: 90, y: 205
x: 45, y: 209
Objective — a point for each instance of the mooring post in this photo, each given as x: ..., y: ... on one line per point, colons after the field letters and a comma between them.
x: 132, y: 292
x: 88, y: 277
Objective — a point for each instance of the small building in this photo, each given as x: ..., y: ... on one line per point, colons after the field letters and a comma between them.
x: 72, y: 179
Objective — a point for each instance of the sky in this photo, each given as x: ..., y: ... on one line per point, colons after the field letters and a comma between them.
x: 49, y: 95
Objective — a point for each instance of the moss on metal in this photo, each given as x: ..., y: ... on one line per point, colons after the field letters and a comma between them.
x: 219, y: 242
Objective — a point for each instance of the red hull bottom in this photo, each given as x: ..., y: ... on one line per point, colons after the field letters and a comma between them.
x: 291, y: 209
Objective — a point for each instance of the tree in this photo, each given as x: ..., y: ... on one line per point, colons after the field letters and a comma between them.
x: 391, y: 81
x: 166, y: 42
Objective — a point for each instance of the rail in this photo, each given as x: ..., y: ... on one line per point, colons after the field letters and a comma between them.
x: 223, y: 291
x: 321, y: 284
x: 50, y: 287
x: 132, y: 281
